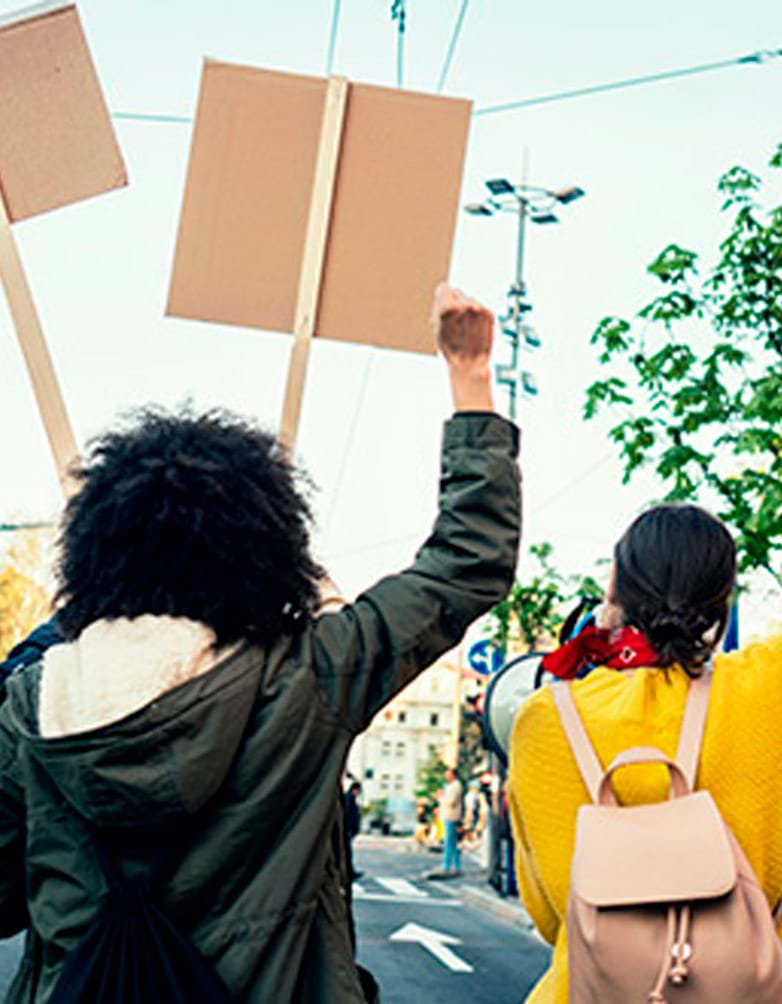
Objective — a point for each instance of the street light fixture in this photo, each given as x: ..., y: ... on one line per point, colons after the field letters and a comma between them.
x: 500, y: 186
x: 536, y: 204
x: 567, y: 195
x: 478, y: 209
x: 548, y: 217
x: 530, y: 336
x: 529, y: 383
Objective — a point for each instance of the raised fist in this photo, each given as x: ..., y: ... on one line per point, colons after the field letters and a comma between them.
x: 463, y: 327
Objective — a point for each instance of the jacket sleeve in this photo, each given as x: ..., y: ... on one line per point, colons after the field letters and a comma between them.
x: 13, y: 902
x: 371, y: 649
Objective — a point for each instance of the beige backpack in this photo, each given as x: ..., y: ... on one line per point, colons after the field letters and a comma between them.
x: 664, y: 907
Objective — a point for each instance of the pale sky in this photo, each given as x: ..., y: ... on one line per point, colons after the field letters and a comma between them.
x: 648, y: 158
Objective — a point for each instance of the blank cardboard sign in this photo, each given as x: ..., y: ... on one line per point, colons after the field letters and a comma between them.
x: 57, y: 144
x: 247, y: 199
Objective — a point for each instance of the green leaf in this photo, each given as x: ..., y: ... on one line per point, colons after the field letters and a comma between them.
x: 702, y: 386
x: 605, y: 392
x: 610, y: 335
x: 673, y: 264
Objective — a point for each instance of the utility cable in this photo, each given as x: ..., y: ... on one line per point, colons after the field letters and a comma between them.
x: 573, y: 483
x: 452, y: 46
x: 349, y: 439
x: 14, y: 527
x: 333, y: 37
x: 142, y: 117
x: 366, y: 548
x: 755, y: 58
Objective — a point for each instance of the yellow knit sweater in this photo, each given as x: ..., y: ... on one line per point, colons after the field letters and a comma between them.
x: 741, y: 765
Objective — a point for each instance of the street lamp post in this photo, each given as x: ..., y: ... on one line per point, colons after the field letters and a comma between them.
x: 537, y: 205
x: 528, y: 202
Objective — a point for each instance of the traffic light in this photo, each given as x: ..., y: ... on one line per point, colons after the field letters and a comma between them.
x: 473, y: 713
x: 474, y: 707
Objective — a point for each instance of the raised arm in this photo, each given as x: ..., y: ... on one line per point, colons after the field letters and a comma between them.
x: 367, y: 652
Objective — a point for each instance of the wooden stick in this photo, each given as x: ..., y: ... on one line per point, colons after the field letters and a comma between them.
x: 32, y: 342
x: 315, y: 243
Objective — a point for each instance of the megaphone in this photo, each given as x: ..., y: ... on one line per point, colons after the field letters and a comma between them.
x: 505, y: 694
x: 518, y: 678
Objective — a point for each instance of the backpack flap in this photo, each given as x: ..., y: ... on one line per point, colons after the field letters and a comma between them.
x: 668, y: 852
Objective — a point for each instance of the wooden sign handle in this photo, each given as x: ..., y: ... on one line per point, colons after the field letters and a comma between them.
x: 32, y: 342
x: 315, y: 244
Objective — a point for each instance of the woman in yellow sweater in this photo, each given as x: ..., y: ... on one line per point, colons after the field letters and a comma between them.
x: 672, y: 579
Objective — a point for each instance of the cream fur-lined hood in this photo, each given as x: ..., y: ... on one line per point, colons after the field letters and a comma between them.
x: 138, y: 720
x: 117, y: 667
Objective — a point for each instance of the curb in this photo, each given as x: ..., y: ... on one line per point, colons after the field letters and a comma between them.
x: 483, y: 896
x: 509, y: 910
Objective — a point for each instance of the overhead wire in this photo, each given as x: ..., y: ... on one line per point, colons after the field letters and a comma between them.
x: 144, y: 117
x: 573, y: 483
x: 378, y: 545
x: 755, y: 58
x: 333, y: 36
x: 452, y: 46
x: 349, y: 439
x: 16, y: 527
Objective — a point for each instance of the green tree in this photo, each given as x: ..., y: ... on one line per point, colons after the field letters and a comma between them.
x: 24, y: 602
x: 697, y: 375
x: 431, y: 777
x: 533, y: 612
x: 472, y: 755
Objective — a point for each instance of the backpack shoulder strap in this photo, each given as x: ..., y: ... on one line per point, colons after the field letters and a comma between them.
x: 588, y: 762
x: 693, y: 725
x: 690, y: 737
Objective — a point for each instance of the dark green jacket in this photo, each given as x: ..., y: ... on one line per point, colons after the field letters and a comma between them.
x: 243, y: 764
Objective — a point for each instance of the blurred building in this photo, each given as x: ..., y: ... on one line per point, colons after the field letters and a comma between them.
x: 386, y: 757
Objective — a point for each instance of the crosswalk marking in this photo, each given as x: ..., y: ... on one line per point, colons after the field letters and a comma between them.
x: 401, y: 887
x: 397, y: 891
x: 387, y: 897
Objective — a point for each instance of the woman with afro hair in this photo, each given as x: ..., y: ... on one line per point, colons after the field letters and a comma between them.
x: 198, y: 704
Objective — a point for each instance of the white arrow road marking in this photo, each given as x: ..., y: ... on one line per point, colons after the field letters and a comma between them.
x: 401, y: 887
x: 358, y: 890
x: 434, y: 942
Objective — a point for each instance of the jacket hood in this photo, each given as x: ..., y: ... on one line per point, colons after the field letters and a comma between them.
x: 136, y: 722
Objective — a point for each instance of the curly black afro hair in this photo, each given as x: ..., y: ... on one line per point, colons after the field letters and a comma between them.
x: 191, y: 515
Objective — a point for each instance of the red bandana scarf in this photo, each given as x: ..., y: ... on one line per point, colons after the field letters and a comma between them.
x: 623, y: 648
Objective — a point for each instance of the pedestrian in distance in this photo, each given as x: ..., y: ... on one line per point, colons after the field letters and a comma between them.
x: 352, y: 824
x: 174, y: 765
x: 475, y: 815
x: 423, y: 824
x: 451, y: 814
x: 702, y: 891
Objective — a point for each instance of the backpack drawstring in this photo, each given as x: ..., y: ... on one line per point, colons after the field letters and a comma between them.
x: 677, y: 952
x: 682, y: 950
x: 656, y: 996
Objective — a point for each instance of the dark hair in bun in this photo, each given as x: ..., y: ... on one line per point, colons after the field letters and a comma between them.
x: 675, y: 575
